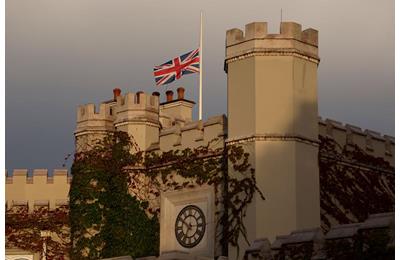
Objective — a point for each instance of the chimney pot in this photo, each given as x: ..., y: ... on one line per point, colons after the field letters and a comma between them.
x: 170, y: 95
x: 117, y: 93
x: 155, y: 93
x: 181, y: 93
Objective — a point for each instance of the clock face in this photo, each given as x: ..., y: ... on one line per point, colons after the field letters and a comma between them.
x: 190, y: 226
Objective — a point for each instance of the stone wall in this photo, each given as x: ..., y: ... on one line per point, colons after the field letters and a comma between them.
x: 37, y: 189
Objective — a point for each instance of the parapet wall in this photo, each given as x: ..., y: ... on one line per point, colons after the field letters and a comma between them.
x: 192, y: 134
x: 291, y: 40
x: 90, y: 119
x: 370, y: 141
x: 37, y: 189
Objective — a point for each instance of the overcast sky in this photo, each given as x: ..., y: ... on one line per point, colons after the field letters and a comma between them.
x: 60, y: 54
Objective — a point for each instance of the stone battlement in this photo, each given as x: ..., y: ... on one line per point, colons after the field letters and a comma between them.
x: 37, y: 189
x: 373, y: 142
x: 88, y: 112
x: 90, y: 119
x: 138, y: 101
x: 153, y: 125
x: 191, y: 134
x: 291, y: 40
x: 138, y: 107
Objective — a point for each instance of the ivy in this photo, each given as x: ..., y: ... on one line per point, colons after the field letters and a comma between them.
x: 23, y: 230
x: 115, y: 194
x: 354, y: 184
x: 105, y: 219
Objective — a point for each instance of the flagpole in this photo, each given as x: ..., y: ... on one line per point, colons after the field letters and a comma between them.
x: 201, y: 68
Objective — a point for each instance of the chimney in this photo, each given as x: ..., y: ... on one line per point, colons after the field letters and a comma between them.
x: 155, y: 93
x: 181, y: 93
x: 117, y: 93
x: 170, y: 95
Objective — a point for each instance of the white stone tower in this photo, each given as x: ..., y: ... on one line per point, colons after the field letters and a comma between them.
x: 138, y: 115
x: 273, y: 113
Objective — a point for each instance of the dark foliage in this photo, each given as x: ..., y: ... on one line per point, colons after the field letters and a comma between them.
x: 105, y: 219
x: 353, y: 184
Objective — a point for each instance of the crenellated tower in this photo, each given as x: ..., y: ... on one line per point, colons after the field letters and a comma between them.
x: 273, y: 113
x: 134, y: 113
x: 138, y: 115
x: 93, y: 125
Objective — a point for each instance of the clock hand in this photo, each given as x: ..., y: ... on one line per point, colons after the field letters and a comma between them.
x: 184, y: 222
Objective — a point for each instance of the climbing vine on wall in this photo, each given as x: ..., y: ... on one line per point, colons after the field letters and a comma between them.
x: 114, y: 196
x: 353, y: 183
x: 24, y: 230
x: 105, y: 219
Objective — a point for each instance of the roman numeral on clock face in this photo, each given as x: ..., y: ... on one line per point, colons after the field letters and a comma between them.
x: 181, y: 236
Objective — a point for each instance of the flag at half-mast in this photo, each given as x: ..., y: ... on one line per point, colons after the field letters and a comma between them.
x: 174, y: 69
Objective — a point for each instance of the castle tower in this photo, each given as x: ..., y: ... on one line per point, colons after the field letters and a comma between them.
x: 138, y: 115
x: 93, y: 125
x: 273, y: 113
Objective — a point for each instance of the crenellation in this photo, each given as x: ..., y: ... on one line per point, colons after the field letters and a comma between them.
x: 374, y: 135
x: 137, y: 107
x: 90, y: 121
x: 337, y: 131
x: 368, y: 140
x: 20, y: 172
x: 8, y: 178
x: 39, y: 176
x: 215, y: 127
x: 291, y: 30
x: 33, y: 189
x: 354, y: 129
x: 256, y: 30
x: 89, y: 112
x: 192, y: 134
x: 259, y: 30
x: 355, y: 136
x: 138, y: 101
x: 310, y: 36
x: 234, y: 36
x: 170, y: 137
x: 290, y: 42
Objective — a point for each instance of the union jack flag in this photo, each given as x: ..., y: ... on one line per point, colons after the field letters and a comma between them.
x: 174, y: 69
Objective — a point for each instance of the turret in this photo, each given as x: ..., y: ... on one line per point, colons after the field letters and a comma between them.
x: 93, y: 125
x: 273, y: 113
x: 138, y: 115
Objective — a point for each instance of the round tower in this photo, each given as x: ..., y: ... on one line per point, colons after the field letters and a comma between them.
x: 273, y: 112
x: 138, y: 115
x: 93, y: 125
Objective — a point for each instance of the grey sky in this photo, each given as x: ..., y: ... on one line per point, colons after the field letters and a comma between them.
x: 60, y: 54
